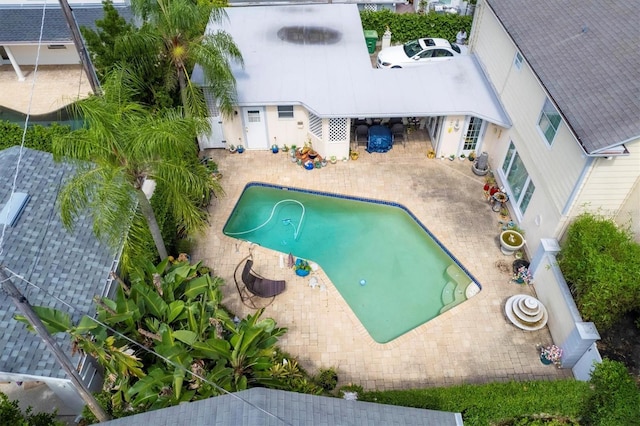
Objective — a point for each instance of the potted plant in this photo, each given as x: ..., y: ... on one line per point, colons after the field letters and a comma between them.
x: 317, y: 164
x: 240, y: 149
x: 232, y: 148
x: 354, y: 155
x: 302, y: 268
x: 551, y: 354
x: 462, y: 157
x: 452, y: 157
x: 522, y: 275
x: 274, y: 148
x: 333, y: 159
x: 431, y: 153
x: 285, y: 149
x: 472, y: 156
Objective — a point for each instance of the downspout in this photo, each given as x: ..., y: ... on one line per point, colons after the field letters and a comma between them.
x: 586, y: 169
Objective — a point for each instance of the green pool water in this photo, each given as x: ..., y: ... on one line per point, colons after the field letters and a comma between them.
x: 388, y: 268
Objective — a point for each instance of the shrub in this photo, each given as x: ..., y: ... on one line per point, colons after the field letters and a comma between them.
x: 327, y: 379
x: 410, y: 26
x: 11, y: 415
x: 494, y: 402
x: 37, y: 137
x: 615, y: 399
x: 601, y: 263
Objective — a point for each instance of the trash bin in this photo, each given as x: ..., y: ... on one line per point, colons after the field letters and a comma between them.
x: 371, y: 37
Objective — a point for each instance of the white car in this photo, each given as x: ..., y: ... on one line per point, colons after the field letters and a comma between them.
x: 418, y: 52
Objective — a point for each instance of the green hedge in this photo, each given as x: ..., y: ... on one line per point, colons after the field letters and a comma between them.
x: 410, y: 26
x: 601, y: 263
x: 494, y: 402
x: 37, y: 137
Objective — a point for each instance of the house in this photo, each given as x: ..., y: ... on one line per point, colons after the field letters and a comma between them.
x: 261, y: 406
x: 308, y: 75
x: 53, y: 267
x: 571, y: 88
x: 20, y: 32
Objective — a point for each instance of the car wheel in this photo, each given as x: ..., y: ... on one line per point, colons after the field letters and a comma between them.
x: 396, y: 66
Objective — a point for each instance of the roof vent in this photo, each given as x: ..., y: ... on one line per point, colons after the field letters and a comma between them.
x: 11, y: 211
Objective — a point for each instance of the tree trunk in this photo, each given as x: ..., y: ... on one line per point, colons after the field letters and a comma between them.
x: 182, y: 82
x: 147, y: 211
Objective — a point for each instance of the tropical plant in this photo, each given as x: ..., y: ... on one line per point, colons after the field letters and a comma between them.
x: 178, y: 28
x: 194, y: 349
x: 117, y: 44
x: 121, y: 146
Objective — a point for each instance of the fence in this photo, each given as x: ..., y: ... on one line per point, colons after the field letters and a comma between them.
x: 576, y: 337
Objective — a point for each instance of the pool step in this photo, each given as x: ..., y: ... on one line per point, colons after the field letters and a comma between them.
x: 452, y: 295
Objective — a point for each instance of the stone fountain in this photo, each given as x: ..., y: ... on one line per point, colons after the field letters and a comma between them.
x: 511, y: 241
x: 526, y: 312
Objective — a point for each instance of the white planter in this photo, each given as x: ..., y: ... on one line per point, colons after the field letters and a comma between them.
x: 511, y: 241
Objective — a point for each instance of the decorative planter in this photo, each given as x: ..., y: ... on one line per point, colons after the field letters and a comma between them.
x: 302, y: 272
x: 275, y: 149
x: 232, y: 149
x: 240, y: 149
x: 545, y: 360
x: 511, y: 241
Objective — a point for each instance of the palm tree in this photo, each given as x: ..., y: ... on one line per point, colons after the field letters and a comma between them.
x: 121, y: 146
x: 180, y: 26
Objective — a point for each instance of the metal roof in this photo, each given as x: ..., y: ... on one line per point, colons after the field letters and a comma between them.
x: 335, y: 78
x: 73, y: 266
x: 21, y: 25
x: 586, y: 55
x: 293, y: 408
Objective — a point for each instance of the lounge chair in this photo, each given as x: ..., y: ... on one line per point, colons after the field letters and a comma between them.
x: 253, y: 286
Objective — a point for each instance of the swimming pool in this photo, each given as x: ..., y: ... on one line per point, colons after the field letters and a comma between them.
x: 391, y: 271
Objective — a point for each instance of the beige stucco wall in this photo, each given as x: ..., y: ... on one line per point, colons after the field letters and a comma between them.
x: 26, y: 54
x: 289, y: 131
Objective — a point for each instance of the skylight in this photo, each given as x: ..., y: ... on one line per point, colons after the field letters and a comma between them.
x: 12, y: 209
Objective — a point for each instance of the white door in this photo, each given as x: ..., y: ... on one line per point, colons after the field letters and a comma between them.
x: 472, y: 136
x: 215, y: 138
x: 255, y: 128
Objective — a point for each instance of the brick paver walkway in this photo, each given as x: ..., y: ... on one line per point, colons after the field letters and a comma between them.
x: 471, y: 343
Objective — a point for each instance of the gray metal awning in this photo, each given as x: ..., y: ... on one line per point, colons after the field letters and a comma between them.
x: 335, y: 78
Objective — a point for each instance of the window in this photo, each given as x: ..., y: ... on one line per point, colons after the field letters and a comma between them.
x: 285, y: 111
x: 549, y: 121
x: 253, y: 116
x: 517, y: 61
x: 518, y: 179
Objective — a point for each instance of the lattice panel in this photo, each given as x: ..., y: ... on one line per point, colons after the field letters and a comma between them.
x: 371, y: 7
x: 315, y: 125
x: 211, y: 102
x: 338, y: 129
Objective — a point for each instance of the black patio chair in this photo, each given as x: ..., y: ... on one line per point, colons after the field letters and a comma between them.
x: 398, y: 130
x: 253, y: 286
x: 362, y: 131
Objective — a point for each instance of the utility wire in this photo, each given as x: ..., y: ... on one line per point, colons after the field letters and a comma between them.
x: 151, y: 351
x: 26, y: 123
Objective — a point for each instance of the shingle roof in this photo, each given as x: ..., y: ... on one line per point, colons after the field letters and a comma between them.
x: 290, y: 408
x: 22, y: 25
x: 73, y: 266
x: 586, y: 55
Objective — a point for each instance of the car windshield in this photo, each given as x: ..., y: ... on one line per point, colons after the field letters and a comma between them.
x: 455, y: 47
x: 412, y: 48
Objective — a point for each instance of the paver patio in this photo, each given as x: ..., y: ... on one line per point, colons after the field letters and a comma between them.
x: 472, y: 343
